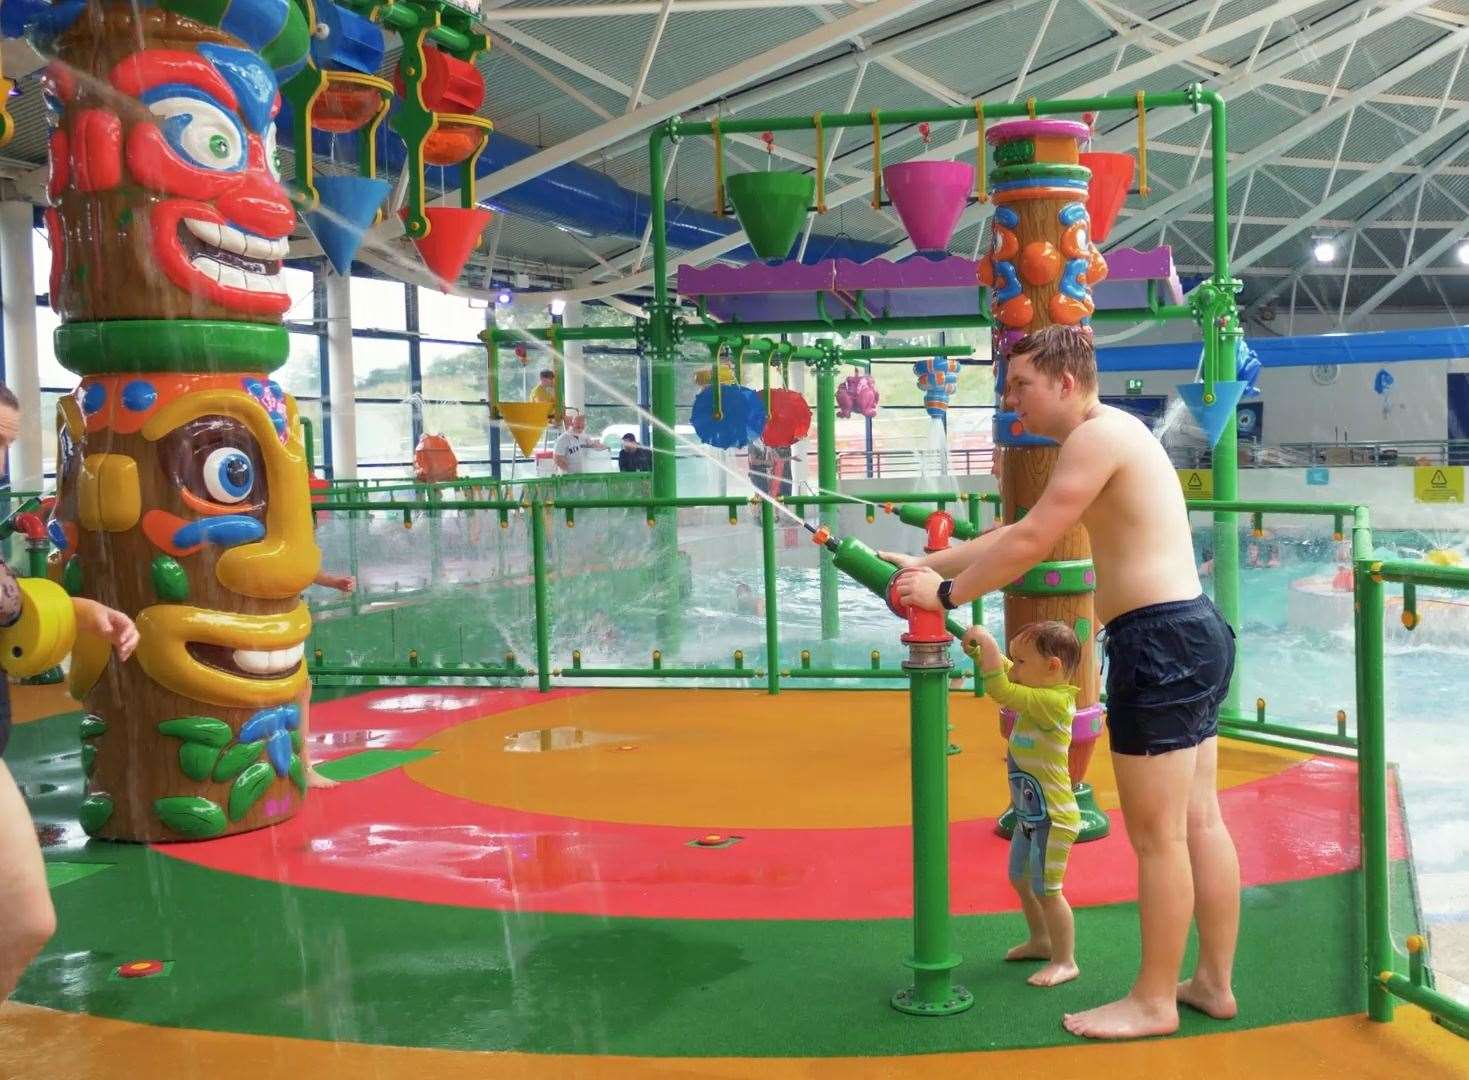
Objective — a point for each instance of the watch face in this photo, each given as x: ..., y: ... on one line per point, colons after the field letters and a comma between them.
x: 1325, y: 374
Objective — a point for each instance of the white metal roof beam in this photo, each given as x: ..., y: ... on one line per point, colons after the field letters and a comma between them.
x: 647, y: 65
x: 1434, y: 251
x: 528, y: 13
x: 1294, y: 134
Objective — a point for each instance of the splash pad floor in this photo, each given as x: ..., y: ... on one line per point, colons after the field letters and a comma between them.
x: 510, y: 889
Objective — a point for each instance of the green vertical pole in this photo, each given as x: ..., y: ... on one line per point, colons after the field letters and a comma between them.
x: 826, y: 457
x: 1372, y: 769
x: 933, y: 992
x: 976, y: 609
x: 663, y: 386
x: 538, y: 575
x: 772, y: 630
x: 1220, y: 324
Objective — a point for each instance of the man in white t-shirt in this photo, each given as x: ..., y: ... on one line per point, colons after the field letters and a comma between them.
x: 571, y: 446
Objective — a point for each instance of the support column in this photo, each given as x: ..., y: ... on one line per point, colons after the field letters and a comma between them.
x: 826, y: 471
x: 340, y: 376
x: 22, y: 366
x: 574, y: 392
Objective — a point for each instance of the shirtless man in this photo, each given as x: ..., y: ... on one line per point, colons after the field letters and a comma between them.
x: 1170, y: 658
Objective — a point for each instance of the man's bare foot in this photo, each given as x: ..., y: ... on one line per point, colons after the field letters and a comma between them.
x: 1034, y: 949
x: 1054, y: 975
x: 314, y: 779
x: 1198, y: 995
x: 1126, y: 1018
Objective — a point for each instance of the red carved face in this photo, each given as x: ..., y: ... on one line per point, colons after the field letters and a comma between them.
x: 180, y: 161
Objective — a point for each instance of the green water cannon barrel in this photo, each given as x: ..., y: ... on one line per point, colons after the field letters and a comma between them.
x: 863, y: 565
x: 918, y: 515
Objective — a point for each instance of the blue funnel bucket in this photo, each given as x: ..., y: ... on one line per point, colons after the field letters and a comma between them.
x: 1214, y: 416
x: 348, y: 206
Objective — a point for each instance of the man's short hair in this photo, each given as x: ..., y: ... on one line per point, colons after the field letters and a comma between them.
x: 1059, y: 349
x: 8, y: 398
x: 630, y: 437
x: 1053, y: 638
x: 547, y: 373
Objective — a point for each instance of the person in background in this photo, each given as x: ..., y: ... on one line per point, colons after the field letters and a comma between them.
x: 634, y: 457
x: 545, y: 390
x: 570, y: 449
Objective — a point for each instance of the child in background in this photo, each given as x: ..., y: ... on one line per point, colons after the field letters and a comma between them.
x: 1033, y: 684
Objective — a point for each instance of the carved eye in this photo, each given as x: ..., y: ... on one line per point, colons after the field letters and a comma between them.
x: 272, y: 153
x: 229, y: 475
x: 200, y: 132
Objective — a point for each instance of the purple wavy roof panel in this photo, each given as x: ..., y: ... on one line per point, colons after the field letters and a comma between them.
x: 916, y: 285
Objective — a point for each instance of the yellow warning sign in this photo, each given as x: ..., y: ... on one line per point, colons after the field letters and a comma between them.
x: 1197, y: 483
x: 1438, y: 483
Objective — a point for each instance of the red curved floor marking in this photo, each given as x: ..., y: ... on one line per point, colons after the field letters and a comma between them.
x: 390, y: 836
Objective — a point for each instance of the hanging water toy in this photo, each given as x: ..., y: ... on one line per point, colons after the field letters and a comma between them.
x: 771, y: 205
x: 789, y: 419
x: 857, y: 393
x: 929, y: 196
x: 339, y: 93
x: 1247, y: 367
x: 525, y: 420
x: 725, y: 413
x: 938, y: 378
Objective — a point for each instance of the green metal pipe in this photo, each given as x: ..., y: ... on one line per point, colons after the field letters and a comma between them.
x: 1372, y: 769
x: 657, y: 673
x: 1419, y: 573
x: 467, y: 671
x: 933, y: 961
x: 1258, y: 506
x: 905, y: 352
x: 768, y: 569
x: 842, y: 673
x: 897, y: 498
x: 1243, y: 733
x: 826, y: 457
x: 976, y: 608
x: 562, y: 333
x: 538, y: 576
x: 1434, y: 1001
x: 1164, y: 313
x: 308, y: 440
x: 992, y: 111
x: 403, y: 17
x: 1308, y: 735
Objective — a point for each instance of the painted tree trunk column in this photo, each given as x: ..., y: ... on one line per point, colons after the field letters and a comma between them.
x: 340, y: 376
x: 181, y: 470
x: 22, y: 372
x: 1040, y: 265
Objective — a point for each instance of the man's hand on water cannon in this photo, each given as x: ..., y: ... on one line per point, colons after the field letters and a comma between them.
x: 901, y: 561
x: 920, y: 588
x: 107, y: 623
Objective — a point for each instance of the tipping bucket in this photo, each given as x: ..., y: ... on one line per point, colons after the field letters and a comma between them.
x: 1107, y: 190
x: 929, y: 197
x: 349, y: 204
x: 772, y: 207
x: 527, y: 421
x: 453, y: 232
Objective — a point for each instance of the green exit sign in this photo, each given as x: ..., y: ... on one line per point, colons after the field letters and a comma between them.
x: 1134, y: 387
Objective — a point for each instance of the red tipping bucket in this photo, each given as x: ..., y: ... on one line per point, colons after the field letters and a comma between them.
x: 1111, y: 177
x: 929, y: 196
x: 452, y: 233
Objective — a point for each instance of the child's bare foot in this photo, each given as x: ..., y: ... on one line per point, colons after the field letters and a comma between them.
x: 1197, y: 994
x: 1054, y: 974
x: 314, y: 779
x: 1125, y: 1018
x: 1034, y: 949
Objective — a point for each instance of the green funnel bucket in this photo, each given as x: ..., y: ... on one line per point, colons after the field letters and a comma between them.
x: 772, y: 207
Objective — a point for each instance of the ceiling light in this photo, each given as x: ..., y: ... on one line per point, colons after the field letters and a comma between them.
x: 504, y: 297
x: 558, y: 307
x: 1324, y: 251
x: 1462, y: 251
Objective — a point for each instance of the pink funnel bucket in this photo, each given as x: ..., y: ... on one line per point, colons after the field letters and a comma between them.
x: 929, y: 196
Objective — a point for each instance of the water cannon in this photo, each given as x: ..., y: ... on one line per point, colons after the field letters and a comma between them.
x: 940, y: 526
x: 866, y: 567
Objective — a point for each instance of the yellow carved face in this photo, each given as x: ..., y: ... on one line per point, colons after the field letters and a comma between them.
x: 195, y: 488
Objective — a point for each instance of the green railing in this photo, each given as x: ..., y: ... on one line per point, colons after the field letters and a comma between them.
x: 1383, y: 983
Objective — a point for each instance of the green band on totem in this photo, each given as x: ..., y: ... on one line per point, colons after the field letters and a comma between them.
x: 1015, y: 152
x: 1040, y: 171
x: 1060, y: 578
x: 186, y: 346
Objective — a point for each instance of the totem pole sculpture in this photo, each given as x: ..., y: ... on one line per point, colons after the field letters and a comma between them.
x: 181, y: 473
x: 1040, y: 268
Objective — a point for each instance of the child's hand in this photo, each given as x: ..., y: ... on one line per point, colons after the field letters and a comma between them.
x: 344, y: 583
x: 109, y: 624
x: 974, y: 639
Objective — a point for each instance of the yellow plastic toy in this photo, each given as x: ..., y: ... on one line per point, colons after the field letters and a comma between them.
x: 44, y: 633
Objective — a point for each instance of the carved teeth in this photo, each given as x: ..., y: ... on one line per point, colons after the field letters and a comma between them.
x: 235, y: 278
x: 233, y: 240
x: 269, y: 662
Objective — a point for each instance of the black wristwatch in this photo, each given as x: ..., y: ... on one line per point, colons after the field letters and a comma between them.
x: 945, y: 588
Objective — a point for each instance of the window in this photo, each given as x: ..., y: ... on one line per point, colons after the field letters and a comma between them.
x: 379, y: 305
x: 380, y: 367
x: 448, y: 317
x: 455, y: 372
x: 300, y: 375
